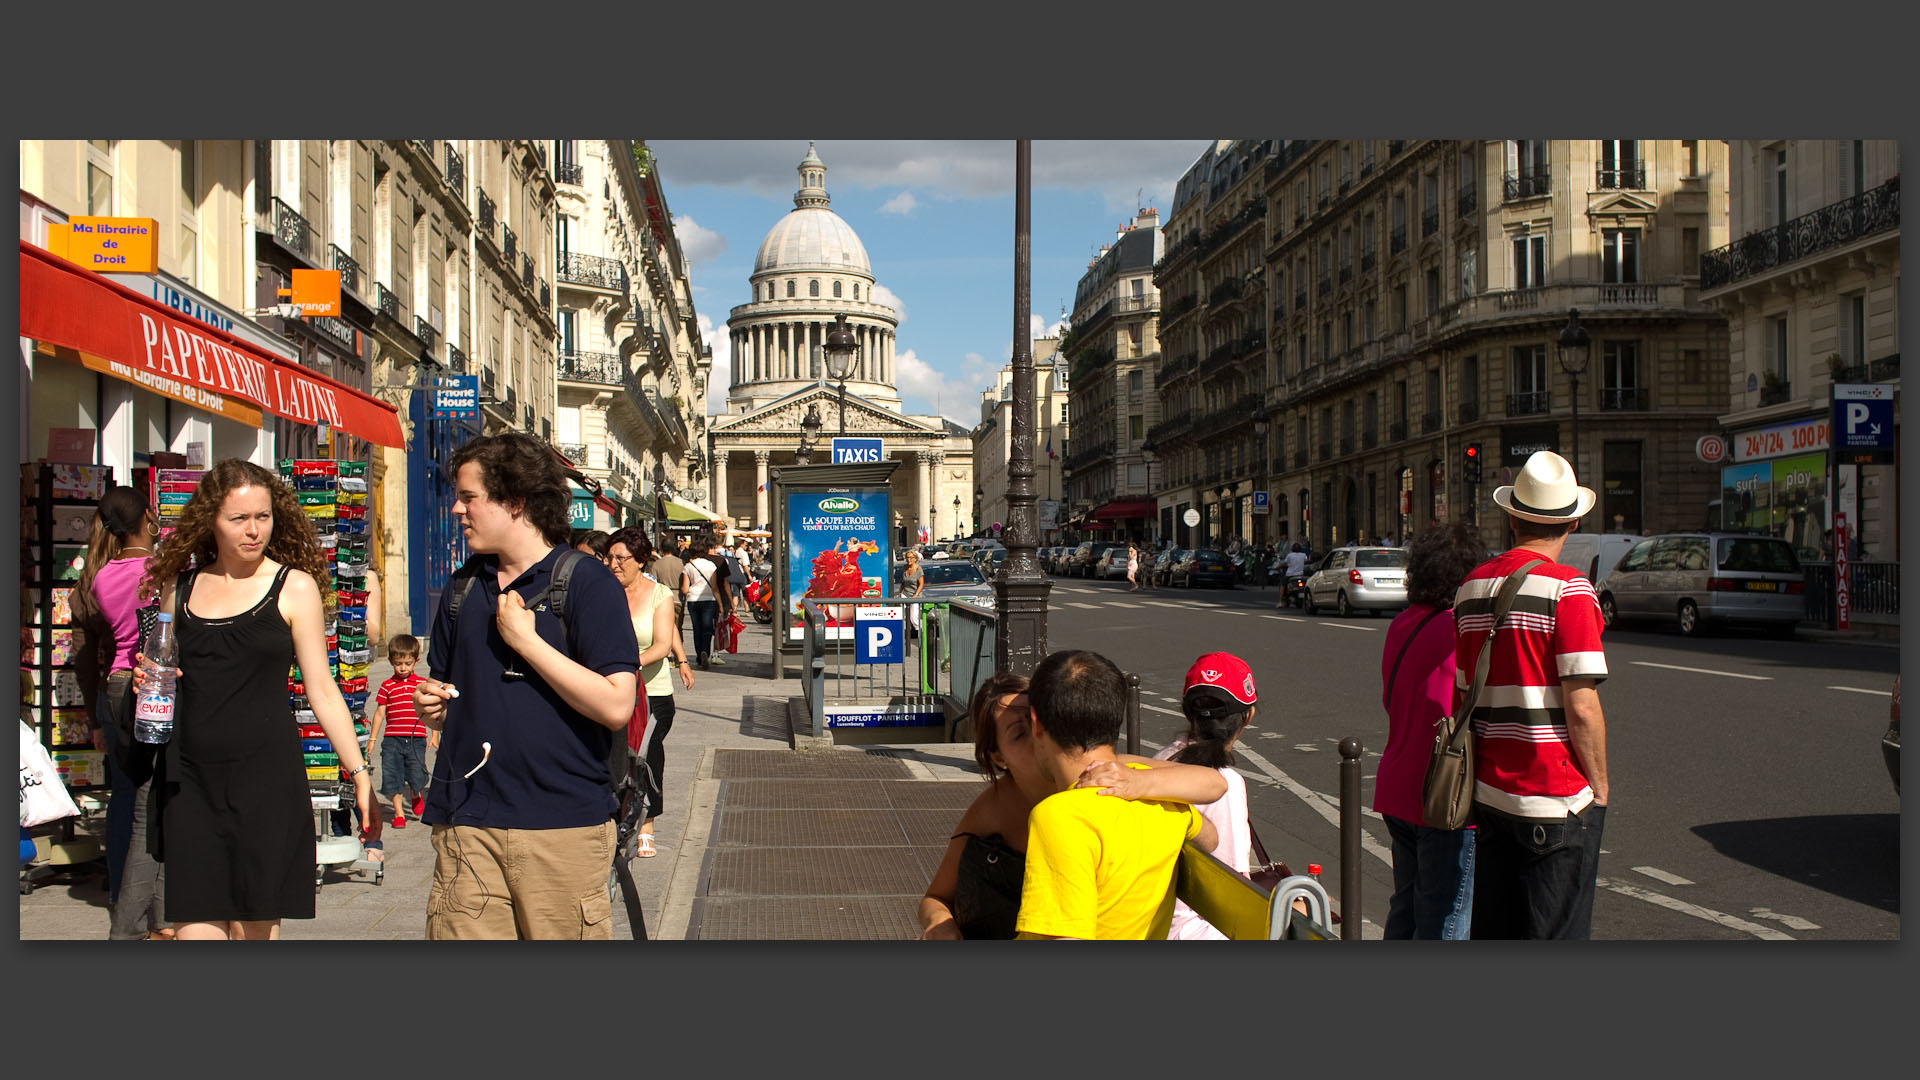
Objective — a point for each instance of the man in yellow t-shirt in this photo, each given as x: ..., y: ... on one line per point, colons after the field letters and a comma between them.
x: 1097, y: 866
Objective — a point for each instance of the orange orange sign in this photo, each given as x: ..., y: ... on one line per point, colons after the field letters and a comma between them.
x: 315, y: 292
x: 114, y: 245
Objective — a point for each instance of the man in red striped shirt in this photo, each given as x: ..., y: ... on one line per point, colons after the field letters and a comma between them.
x: 1540, y: 741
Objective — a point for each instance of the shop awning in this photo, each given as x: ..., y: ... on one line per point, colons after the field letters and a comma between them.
x: 686, y: 511
x: 118, y: 332
x: 1125, y: 508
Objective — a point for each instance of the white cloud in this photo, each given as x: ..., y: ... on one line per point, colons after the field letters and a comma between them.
x: 721, y: 376
x: 902, y: 204
x: 699, y: 243
x: 884, y: 295
x: 925, y: 390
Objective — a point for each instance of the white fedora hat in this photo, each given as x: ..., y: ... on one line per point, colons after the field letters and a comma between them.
x: 1545, y: 491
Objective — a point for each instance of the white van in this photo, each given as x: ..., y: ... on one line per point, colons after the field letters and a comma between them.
x: 1593, y: 554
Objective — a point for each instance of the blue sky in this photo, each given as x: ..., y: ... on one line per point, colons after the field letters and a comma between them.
x: 937, y: 221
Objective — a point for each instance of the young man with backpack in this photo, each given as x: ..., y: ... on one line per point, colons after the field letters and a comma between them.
x: 532, y: 668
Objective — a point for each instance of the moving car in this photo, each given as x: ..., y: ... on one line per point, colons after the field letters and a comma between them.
x: 1702, y: 579
x: 1354, y: 579
x: 955, y: 579
x: 1208, y: 566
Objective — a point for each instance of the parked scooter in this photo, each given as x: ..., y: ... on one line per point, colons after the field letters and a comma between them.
x: 759, y: 594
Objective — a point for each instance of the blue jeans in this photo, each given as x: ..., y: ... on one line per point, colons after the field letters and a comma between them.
x: 1534, y: 878
x: 1432, y: 883
x: 706, y: 615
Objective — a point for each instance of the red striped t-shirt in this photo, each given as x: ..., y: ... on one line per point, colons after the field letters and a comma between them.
x: 397, y: 695
x: 1524, y: 759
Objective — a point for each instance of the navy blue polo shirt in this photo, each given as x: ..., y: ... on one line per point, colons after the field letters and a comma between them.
x: 548, y: 768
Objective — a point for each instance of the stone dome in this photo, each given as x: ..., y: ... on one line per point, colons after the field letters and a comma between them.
x: 812, y: 237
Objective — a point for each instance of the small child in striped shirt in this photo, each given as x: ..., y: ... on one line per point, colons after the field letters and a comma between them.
x: 403, y: 738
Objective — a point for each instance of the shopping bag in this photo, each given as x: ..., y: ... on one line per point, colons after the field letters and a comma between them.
x: 734, y: 626
x: 43, y: 797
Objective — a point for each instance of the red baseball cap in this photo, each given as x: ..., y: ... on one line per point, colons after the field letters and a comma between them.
x: 1224, y: 672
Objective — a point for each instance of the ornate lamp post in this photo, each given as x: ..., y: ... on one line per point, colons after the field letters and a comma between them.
x: 809, y: 431
x: 1575, y: 345
x: 841, y: 348
x: 1020, y: 590
x: 957, y: 530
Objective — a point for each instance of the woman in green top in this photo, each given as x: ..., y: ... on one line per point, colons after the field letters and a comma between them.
x: 651, y: 605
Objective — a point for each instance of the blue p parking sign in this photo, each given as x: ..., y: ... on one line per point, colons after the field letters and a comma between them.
x: 879, y: 635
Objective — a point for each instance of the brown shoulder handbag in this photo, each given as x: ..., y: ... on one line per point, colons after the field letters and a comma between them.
x: 1447, y: 794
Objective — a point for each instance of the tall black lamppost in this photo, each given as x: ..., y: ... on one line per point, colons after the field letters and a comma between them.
x: 957, y: 530
x: 809, y: 431
x: 1575, y: 345
x: 1020, y: 590
x: 841, y: 348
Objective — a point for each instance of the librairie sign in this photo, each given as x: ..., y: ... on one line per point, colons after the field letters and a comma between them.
x: 116, y: 245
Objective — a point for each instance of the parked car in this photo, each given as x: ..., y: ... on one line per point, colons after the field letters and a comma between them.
x: 990, y: 559
x: 1595, y: 554
x: 1201, y: 566
x: 1112, y: 564
x: 1890, y: 742
x: 954, y: 579
x: 1086, y: 557
x: 1354, y: 579
x: 1703, y: 579
x: 1163, y: 564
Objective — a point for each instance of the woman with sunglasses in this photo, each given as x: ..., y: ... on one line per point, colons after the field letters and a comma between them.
x: 654, y: 626
x: 976, y: 891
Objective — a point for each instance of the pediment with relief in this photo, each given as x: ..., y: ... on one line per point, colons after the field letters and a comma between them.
x: 783, y: 417
x: 1618, y: 203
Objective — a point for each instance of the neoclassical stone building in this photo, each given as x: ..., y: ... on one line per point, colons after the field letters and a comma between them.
x: 812, y: 268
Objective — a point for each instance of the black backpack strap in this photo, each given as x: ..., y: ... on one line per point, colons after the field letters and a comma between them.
x: 556, y: 593
x: 460, y: 584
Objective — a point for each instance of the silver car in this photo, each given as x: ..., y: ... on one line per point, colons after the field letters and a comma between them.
x: 1699, y: 579
x: 1359, y: 579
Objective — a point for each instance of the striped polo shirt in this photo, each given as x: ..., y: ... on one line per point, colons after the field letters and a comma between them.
x: 1524, y: 761
x: 397, y: 695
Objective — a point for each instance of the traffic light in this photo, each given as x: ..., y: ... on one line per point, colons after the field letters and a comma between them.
x: 1472, y: 463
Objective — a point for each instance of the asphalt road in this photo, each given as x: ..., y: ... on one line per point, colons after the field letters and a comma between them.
x: 1749, y: 798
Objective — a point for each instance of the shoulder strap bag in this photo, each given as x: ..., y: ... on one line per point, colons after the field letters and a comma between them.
x: 1447, y: 794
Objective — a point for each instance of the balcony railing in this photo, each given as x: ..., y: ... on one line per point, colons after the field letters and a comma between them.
x: 1773, y: 393
x: 291, y: 229
x: 1623, y: 399
x: 546, y: 296
x: 425, y: 146
x: 424, y: 330
x: 1346, y: 273
x: 486, y: 213
x: 349, y: 270
x: 1228, y: 289
x: 507, y: 247
x: 1368, y: 260
x: 456, y: 360
x: 1397, y: 431
x: 1469, y: 200
x: 486, y: 384
x: 384, y: 299
x: 574, y: 452
x: 1469, y: 411
x: 593, y: 367
x: 1882, y: 370
x: 456, y: 171
x: 526, y: 271
x: 513, y: 400
x: 1528, y: 404
x: 570, y: 172
x: 1325, y: 285
x: 1430, y: 423
x: 1429, y: 221
x: 1831, y: 226
x: 1397, y: 240
x: 1300, y: 299
x: 1631, y: 178
x: 1528, y: 183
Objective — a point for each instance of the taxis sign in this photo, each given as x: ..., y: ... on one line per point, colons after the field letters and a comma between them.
x: 111, y: 244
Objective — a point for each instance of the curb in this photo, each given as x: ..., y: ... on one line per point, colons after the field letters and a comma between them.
x: 683, y: 884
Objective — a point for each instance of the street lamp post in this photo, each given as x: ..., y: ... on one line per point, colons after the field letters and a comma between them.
x: 957, y: 530
x: 841, y: 348
x: 1020, y: 590
x: 1260, y: 424
x: 1575, y: 345
x: 809, y: 431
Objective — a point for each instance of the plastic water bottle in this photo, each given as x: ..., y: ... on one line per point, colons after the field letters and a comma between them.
x: 153, y: 710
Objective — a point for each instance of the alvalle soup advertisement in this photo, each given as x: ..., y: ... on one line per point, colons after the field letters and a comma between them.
x: 837, y: 549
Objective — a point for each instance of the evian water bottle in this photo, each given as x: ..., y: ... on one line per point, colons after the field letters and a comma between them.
x: 153, y: 709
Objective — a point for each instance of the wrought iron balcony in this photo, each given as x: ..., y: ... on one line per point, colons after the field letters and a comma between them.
x: 1397, y: 240
x: 1431, y: 422
x: 574, y: 452
x: 384, y: 299
x: 1528, y: 183
x: 527, y: 422
x: 1832, y: 226
x: 486, y: 213
x: 526, y: 271
x: 456, y: 360
x: 570, y: 172
x: 1775, y: 391
x: 1631, y: 178
x: 1469, y: 411
x: 1367, y: 261
x: 1346, y: 273
x: 513, y: 400
x: 1884, y: 369
x: 424, y: 330
x: 1469, y: 200
x: 486, y: 383
x: 546, y: 296
x: 349, y: 270
x: 1628, y: 399
x: 507, y: 247
x: 291, y: 229
x: 1430, y: 221
x: 1397, y: 431
x: 425, y: 146
x: 1228, y: 289
x: 593, y: 367
x: 1528, y: 404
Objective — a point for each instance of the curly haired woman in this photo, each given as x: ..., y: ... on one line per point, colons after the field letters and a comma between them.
x: 236, y: 825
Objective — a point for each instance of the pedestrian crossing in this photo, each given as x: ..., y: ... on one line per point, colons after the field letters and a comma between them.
x: 1197, y: 604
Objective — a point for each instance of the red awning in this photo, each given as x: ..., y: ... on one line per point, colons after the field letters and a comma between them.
x: 121, y: 333
x: 1127, y: 508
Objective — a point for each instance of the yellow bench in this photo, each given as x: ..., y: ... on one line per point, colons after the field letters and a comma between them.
x: 1243, y: 910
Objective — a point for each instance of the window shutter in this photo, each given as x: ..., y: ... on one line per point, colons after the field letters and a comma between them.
x: 1844, y: 151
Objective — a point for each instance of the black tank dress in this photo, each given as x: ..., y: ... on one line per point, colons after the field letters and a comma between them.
x: 237, y: 821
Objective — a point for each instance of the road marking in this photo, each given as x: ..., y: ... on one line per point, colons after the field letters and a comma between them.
x: 1163, y: 603
x: 1306, y: 748
x: 1793, y: 922
x: 1661, y: 875
x: 1703, y: 671
x: 1326, y: 808
x: 1078, y: 604
x: 1858, y: 690
x: 1281, y: 618
x: 1230, y: 611
x: 1121, y: 603
x: 1349, y: 626
x: 1158, y: 709
x: 1695, y: 910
